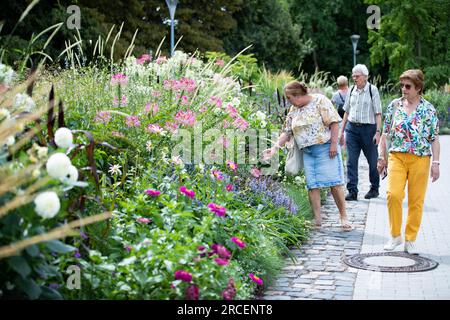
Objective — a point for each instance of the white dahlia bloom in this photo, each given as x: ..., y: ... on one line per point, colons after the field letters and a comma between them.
x: 47, y: 204
x: 63, y: 138
x: 58, y: 165
x: 23, y: 102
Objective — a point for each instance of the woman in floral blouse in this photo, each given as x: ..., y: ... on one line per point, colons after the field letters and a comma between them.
x: 314, y: 123
x: 412, y: 126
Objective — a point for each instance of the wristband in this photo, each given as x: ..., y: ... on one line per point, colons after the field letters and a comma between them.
x: 436, y: 162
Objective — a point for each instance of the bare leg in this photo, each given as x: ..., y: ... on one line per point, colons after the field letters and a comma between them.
x: 314, y: 199
x: 339, y: 199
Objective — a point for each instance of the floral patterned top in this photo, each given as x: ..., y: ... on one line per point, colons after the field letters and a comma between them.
x: 414, y: 133
x: 310, y: 124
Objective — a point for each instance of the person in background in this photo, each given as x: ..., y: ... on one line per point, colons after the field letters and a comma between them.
x: 412, y: 125
x: 339, y: 96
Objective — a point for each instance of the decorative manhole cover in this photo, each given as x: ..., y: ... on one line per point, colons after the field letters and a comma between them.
x: 396, y: 261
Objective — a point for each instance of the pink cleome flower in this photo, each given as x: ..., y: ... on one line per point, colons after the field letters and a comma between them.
x: 151, y: 107
x: 143, y: 58
x: 132, y: 121
x: 119, y: 79
x: 186, y: 118
x: 102, y: 116
x: 256, y: 172
x: 154, y: 128
x: 219, y: 62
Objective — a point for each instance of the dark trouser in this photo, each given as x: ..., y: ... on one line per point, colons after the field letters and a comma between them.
x: 360, y: 137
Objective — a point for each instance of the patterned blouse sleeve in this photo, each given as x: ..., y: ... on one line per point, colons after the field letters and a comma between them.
x: 388, y: 117
x: 433, y: 124
x: 328, y: 111
x: 287, y: 127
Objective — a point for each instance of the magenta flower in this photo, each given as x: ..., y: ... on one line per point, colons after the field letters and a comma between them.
x: 171, y: 126
x: 230, y: 187
x: 152, y: 192
x: 238, y: 242
x: 184, y: 100
x: 183, y: 276
x: 221, y: 251
x: 192, y: 292
x: 232, y: 111
x: 120, y: 79
x: 144, y: 220
x: 221, y: 262
x: 128, y: 248
x: 230, y: 291
x: 256, y: 279
x: 233, y: 166
x: 217, y: 174
x: 216, y: 100
x: 187, y: 192
x: 218, y: 210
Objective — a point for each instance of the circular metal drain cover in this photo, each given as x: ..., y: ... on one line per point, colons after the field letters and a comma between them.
x: 396, y: 261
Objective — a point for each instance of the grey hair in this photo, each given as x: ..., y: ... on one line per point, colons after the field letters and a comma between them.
x: 342, y: 81
x: 361, y: 68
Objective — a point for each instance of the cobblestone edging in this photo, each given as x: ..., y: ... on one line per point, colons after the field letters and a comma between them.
x: 319, y: 272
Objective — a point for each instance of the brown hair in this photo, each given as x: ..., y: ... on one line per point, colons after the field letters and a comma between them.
x: 415, y: 76
x: 296, y: 88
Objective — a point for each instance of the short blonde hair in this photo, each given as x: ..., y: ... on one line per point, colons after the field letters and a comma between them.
x: 296, y: 88
x: 415, y: 76
x: 342, y: 81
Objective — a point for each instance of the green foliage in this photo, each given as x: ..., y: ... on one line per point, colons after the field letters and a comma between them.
x: 413, y: 35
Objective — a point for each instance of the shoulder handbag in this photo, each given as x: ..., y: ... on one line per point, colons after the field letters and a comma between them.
x: 294, y: 160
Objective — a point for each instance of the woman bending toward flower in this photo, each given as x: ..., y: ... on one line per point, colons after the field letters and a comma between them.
x: 314, y: 124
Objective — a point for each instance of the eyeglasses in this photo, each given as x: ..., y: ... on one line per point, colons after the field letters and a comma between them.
x: 406, y: 85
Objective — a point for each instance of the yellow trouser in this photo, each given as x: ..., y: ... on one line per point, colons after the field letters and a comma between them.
x: 415, y: 169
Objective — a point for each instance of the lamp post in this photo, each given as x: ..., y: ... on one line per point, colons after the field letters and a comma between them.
x: 172, y: 4
x: 355, y: 39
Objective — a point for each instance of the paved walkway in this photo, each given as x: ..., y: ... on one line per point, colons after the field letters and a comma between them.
x: 320, y: 274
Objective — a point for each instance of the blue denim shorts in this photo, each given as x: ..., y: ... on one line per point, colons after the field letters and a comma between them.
x: 320, y: 170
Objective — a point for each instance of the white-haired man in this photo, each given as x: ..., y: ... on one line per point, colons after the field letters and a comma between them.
x: 362, y: 127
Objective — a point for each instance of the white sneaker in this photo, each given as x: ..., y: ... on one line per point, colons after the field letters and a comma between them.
x: 410, y: 247
x: 393, y: 243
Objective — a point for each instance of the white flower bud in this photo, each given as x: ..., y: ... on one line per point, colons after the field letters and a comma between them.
x: 47, y: 204
x: 58, y: 165
x: 63, y: 138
